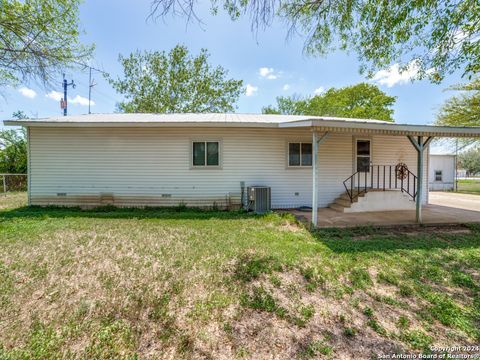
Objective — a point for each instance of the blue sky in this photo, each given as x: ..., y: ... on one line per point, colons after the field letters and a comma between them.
x: 269, y: 64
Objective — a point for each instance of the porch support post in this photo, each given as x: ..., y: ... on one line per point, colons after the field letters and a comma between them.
x: 420, y: 146
x: 316, y: 141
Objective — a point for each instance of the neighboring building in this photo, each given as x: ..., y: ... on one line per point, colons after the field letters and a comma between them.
x: 203, y: 159
x: 462, y: 174
x: 441, y: 174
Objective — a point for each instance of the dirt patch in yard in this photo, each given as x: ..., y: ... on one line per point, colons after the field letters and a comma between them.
x: 415, y: 230
x: 160, y: 285
x: 306, y: 323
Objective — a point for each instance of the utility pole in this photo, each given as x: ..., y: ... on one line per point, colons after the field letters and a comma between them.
x: 63, y: 102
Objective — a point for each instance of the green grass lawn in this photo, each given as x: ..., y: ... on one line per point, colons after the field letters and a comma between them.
x: 178, y: 283
x: 469, y: 186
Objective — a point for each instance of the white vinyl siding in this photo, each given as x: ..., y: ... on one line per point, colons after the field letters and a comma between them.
x: 443, y: 165
x: 391, y: 150
x: 152, y: 166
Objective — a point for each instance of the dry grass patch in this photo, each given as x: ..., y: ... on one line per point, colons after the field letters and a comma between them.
x: 165, y: 283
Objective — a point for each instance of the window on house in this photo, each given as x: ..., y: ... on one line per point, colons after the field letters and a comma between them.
x: 206, y: 153
x: 363, y: 155
x: 438, y: 175
x: 300, y: 154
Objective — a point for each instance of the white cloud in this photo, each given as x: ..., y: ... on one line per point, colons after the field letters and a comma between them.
x: 267, y: 73
x: 80, y: 100
x: 77, y: 100
x: 251, y: 90
x: 286, y: 87
x: 54, y: 95
x: 29, y: 93
x: 393, y: 75
x: 319, y: 90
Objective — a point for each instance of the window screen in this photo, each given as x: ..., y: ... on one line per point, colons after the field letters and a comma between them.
x: 206, y: 153
x: 363, y: 155
x: 212, y: 153
x: 198, y: 154
x: 306, y: 154
x: 300, y: 154
x: 294, y: 154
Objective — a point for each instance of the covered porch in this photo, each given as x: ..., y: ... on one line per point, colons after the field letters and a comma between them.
x: 432, y: 214
x: 420, y: 137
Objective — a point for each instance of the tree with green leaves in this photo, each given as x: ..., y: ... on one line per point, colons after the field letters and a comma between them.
x: 365, y: 101
x: 288, y: 105
x: 462, y: 109
x: 470, y: 161
x: 431, y: 37
x: 37, y: 38
x: 160, y: 82
x: 13, y: 149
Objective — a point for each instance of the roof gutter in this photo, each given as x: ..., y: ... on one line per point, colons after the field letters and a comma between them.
x: 338, y: 126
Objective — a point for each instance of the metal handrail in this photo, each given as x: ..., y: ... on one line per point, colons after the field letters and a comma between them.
x: 403, y: 179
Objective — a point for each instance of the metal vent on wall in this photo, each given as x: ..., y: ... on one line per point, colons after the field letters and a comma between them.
x: 259, y: 199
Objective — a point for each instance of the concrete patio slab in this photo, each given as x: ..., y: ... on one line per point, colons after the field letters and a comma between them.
x: 442, y: 210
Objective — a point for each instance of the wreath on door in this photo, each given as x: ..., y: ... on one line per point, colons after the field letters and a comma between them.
x: 401, y: 170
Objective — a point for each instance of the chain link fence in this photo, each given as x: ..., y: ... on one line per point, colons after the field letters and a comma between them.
x: 13, y: 182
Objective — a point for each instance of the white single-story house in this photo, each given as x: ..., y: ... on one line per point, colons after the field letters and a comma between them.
x: 206, y: 159
x: 441, y: 172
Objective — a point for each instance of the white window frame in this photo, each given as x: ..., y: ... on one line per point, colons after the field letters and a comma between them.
x: 209, y: 167
x: 355, y: 154
x: 288, y: 155
x: 435, y: 175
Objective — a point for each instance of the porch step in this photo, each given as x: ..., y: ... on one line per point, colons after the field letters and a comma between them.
x: 373, y: 201
x: 337, y: 207
x: 345, y: 197
x: 345, y: 202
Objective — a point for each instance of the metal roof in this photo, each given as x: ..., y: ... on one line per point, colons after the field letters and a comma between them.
x: 199, y: 118
x: 320, y: 123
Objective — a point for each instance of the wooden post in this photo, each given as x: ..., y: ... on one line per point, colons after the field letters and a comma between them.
x: 316, y: 141
x: 4, y: 185
x: 420, y: 146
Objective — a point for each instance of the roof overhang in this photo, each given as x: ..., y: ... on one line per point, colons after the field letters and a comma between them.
x: 189, y: 124
x: 314, y: 123
x: 384, y: 128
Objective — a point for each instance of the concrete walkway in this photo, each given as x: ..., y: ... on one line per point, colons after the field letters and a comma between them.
x: 449, y: 209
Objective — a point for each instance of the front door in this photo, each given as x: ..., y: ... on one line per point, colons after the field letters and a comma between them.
x: 363, y: 161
